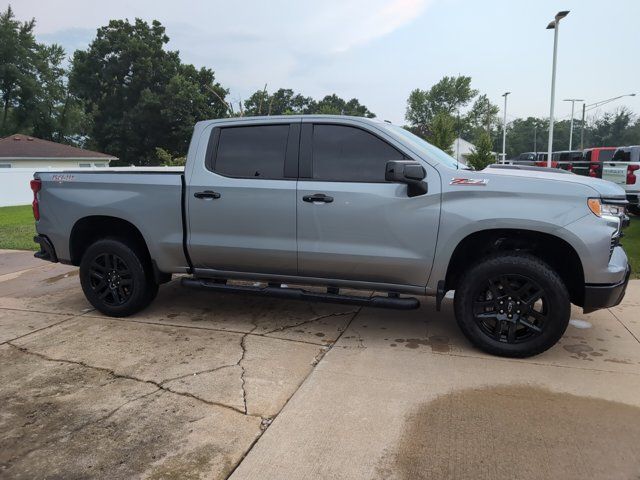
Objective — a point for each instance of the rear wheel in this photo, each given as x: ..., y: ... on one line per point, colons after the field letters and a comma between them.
x: 512, y: 305
x: 116, y: 278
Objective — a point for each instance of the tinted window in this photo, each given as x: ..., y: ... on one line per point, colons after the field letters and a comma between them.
x: 605, y: 155
x: 256, y: 151
x: 622, y: 155
x: 349, y: 154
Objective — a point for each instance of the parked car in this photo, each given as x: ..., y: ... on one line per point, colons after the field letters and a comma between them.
x: 623, y: 169
x: 592, y: 159
x: 526, y: 158
x: 562, y: 159
x: 344, y: 202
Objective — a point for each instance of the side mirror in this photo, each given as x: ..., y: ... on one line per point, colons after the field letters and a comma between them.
x: 409, y: 172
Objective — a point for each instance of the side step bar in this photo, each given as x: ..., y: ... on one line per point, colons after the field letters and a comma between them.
x: 332, y: 295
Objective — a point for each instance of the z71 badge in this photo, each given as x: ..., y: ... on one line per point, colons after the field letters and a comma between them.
x: 473, y: 182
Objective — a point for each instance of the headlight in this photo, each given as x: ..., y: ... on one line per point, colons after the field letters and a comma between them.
x: 604, y: 209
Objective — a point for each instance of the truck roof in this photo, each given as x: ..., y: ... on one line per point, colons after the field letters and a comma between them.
x: 373, y: 121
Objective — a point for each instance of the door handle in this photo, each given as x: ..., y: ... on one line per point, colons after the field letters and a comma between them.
x: 317, y: 197
x: 207, y: 194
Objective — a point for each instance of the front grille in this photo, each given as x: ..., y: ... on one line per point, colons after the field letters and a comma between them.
x: 615, y: 240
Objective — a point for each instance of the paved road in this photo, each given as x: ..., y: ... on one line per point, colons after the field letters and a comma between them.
x: 204, y: 385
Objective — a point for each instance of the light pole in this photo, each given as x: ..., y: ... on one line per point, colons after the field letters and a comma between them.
x: 596, y: 105
x: 504, y: 128
x: 573, y: 102
x: 554, y: 24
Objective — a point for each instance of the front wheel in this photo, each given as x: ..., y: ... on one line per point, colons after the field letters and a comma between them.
x: 116, y: 279
x: 512, y: 305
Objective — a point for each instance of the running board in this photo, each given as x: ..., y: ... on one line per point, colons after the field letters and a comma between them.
x: 332, y: 295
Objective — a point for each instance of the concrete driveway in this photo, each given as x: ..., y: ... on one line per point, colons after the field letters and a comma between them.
x: 207, y: 385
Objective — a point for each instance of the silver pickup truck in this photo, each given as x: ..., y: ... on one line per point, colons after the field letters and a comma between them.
x: 344, y: 203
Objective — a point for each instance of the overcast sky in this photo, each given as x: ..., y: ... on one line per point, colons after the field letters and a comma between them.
x: 379, y: 50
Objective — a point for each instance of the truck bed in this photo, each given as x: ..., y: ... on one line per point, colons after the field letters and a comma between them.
x: 151, y: 199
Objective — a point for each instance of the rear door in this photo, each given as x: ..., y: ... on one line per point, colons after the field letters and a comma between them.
x: 352, y: 224
x: 242, y: 199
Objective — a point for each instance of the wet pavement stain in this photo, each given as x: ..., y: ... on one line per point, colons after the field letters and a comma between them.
x: 516, y: 432
x: 438, y: 343
x: 62, y: 276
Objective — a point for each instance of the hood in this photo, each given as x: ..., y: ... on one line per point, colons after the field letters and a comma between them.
x: 603, y: 188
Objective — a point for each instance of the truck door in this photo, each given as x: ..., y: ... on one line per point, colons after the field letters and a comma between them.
x: 241, y: 199
x: 352, y: 224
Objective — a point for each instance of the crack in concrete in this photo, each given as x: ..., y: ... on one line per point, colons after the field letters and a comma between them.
x: 242, y: 372
x: 130, y: 377
x: 82, y: 426
x: 267, y: 422
x: 200, y: 372
x: 622, y: 323
x: 315, y: 319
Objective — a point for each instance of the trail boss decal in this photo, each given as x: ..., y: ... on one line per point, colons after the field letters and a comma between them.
x: 63, y: 178
x: 473, y: 182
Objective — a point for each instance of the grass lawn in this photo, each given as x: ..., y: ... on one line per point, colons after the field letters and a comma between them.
x: 17, y: 228
x: 631, y: 244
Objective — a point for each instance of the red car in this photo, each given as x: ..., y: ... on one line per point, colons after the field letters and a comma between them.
x: 593, y: 158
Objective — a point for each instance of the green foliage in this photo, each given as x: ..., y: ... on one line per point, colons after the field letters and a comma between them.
x: 139, y: 95
x: 448, y: 96
x: 482, y: 155
x: 442, y: 132
x: 286, y: 102
x: 32, y: 85
x: 166, y: 160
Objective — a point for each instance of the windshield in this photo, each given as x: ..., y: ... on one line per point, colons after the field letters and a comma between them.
x: 424, y: 148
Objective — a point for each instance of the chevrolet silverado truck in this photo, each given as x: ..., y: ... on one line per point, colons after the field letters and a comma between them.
x: 343, y: 203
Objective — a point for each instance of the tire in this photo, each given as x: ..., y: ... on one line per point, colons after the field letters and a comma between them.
x: 534, y: 312
x: 116, y: 278
x: 634, y: 209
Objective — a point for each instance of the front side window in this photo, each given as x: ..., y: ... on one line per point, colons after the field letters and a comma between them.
x: 256, y: 151
x: 349, y: 154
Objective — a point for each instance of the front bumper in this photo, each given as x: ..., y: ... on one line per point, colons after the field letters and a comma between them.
x: 47, y: 250
x: 633, y: 198
x: 605, y: 296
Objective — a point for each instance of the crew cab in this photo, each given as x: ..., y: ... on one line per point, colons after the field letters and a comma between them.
x: 343, y: 203
x: 592, y: 161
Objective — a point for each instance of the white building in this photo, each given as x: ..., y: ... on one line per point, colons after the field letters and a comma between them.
x: 23, y: 151
x: 461, y: 148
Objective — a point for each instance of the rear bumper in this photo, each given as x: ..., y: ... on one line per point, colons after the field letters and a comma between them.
x: 47, y: 250
x: 605, y: 296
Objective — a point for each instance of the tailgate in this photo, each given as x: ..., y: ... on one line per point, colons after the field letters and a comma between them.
x: 615, y: 172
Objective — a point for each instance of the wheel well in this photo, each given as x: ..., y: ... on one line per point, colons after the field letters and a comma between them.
x: 88, y: 230
x: 553, y: 250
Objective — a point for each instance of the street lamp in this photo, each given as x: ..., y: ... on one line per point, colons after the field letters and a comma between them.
x: 554, y: 24
x: 573, y: 102
x: 504, y: 128
x: 596, y: 105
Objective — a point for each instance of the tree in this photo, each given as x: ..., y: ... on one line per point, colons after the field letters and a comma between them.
x: 442, y: 132
x: 483, y: 116
x: 482, y: 155
x: 285, y: 102
x: 139, y: 95
x: 611, y: 129
x: 447, y: 96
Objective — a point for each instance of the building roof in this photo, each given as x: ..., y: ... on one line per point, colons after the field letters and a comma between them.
x: 20, y: 146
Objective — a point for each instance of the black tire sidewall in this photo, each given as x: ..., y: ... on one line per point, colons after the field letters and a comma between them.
x: 144, y: 288
x: 559, y: 306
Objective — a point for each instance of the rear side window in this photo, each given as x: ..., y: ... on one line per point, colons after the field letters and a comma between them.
x: 349, y: 154
x: 622, y: 155
x: 252, y: 152
x: 605, y: 155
